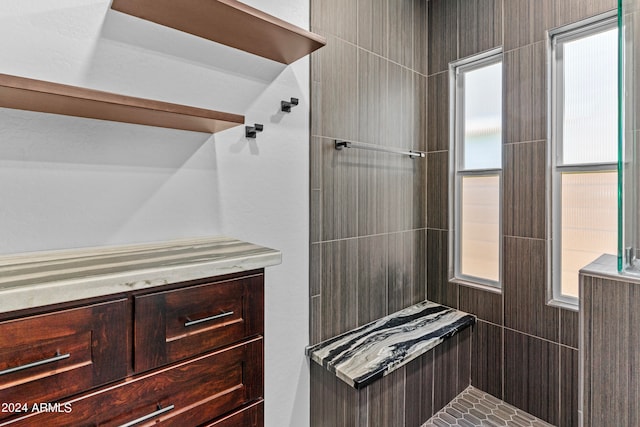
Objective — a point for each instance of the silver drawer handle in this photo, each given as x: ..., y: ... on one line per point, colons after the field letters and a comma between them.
x: 56, y: 358
x: 160, y: 411
x: 207, y: 319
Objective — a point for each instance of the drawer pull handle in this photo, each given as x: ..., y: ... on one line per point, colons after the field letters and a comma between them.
x: 160, y: 411
x: 56, y: 358
x: 207, y: 319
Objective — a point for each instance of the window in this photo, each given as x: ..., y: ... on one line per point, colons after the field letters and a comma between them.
x: 476, y: 165
x: 584, y: 120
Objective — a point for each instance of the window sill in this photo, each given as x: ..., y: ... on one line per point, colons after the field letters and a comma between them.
x: 476, y: 285
x: 564, y: 304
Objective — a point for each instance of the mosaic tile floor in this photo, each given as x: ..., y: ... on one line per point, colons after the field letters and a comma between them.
x: 474, y: 408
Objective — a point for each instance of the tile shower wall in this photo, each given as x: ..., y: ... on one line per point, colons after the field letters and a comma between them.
x: 524, y: 351
x: 610, y: 357
x: 367, y: 208
x: 408, y: 396
x: 368, y: 217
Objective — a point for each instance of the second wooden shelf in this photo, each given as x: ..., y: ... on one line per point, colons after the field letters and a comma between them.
x: 36, y: 95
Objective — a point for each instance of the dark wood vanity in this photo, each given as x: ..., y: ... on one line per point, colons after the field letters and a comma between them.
x: 149, y: 351
x: 187, y: 354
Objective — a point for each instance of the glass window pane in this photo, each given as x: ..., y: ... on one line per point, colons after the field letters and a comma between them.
x: 590, y: 84
x: 483, y: 118
x: 479, y: 227
x: 589, y: 222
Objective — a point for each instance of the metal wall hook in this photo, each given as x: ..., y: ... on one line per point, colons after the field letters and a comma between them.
x: 251, y: 131
x: 285, y: 106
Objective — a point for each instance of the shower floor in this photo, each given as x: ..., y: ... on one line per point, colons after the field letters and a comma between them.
x: 473, y: 408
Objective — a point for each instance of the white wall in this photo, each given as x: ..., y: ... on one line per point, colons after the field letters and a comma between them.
x: 69, y: 182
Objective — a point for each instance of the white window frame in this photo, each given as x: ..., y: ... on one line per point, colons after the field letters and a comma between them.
x: 562, y: 34
x: 456, y: 132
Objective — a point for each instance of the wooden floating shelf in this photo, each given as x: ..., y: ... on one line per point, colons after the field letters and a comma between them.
x: 46, y: 97
x: 228, y: 22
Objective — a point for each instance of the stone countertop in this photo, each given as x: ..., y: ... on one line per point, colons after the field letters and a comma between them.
x: 43, y: 278
x: 363, y: 355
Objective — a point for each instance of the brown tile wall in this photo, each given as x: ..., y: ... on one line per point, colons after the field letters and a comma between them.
x: 379, y: 223
x: 368, y: 214
x: 409, y: 396
x: 610, y: 356
x: 523, y: 350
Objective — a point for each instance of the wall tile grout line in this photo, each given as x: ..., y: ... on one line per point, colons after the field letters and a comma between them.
x: 525, y: 142
x: 370, y: 235
x: 386, y: 58
x: 529, y: 335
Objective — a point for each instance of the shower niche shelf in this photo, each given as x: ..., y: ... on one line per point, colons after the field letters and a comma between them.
x: 47, y: 97
x: 230, y: 23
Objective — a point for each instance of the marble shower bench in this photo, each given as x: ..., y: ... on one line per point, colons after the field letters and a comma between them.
x: 365, y: 354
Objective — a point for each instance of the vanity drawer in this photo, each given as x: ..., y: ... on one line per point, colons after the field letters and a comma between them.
x: 50, y: 356
x: 173, y: 325
x: 187, y: 394
x: 251, y: 416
